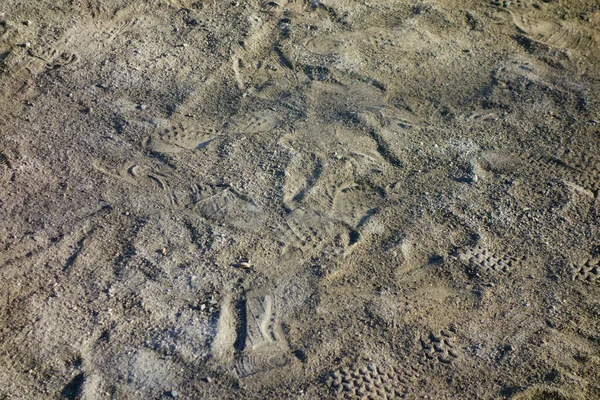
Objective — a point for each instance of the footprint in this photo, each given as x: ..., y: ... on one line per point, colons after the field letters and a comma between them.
x: 582, y: 171
x: 329, y: 44
x: 297, y: 180
x: 368, y: 381
x: 440, y: 347
x: 249, y: 337
x: 261, y: 121
x: 379, y: 38
x: 336, y: 195
x: 260, y: 342
x: 324, y: 180
x: 562, y: 35
x: 587, y: 173
x: 305, y: 232
x: 86, y: 38
x: 104, y: 34
x: 354, y: 204
x: 482, y: 258
x: 4, y: 161
x: 226, y: 205
x: 513, y: 4
x: 74, y: 389
x: 175, y: 137
x: 588, y: 271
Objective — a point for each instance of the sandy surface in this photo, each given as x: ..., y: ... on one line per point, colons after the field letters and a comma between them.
x: 299, y: 199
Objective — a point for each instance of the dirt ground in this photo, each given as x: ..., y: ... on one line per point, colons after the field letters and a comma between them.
x: 299, y: 199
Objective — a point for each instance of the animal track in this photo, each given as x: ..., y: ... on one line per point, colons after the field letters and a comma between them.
x: 440, y: 347
x: 480, y: 257
x: 588, y: 271
x: 372, y: 382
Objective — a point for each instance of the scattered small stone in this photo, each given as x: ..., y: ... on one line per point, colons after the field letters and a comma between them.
x: 142, y: 107
x: 163, y: 251
x: 244, y: 263
x: 208, y: 379
x: 27, y: 23
x: 26, y: 45
x: 202, y: 307
x: 174, y: 394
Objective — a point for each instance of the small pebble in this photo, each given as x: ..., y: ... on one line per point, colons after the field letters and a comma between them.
x: 27, y: 23
x: 163, y: 251
x: 244, y: 263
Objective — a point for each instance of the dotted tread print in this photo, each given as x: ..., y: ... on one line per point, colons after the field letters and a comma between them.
x: 552, y: 165
x: 368, y: 382
x: 589, y: 271
x: 583, y: 171
x: 380, y: 39
x: 260, y: 123
x: 184, y: 137
x: 440, y: 347
x: 512, y: 4
x: 589, y: 176
x: 481, y: 257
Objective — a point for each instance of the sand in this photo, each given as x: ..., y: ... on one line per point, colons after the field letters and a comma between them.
x: 299, y: 199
